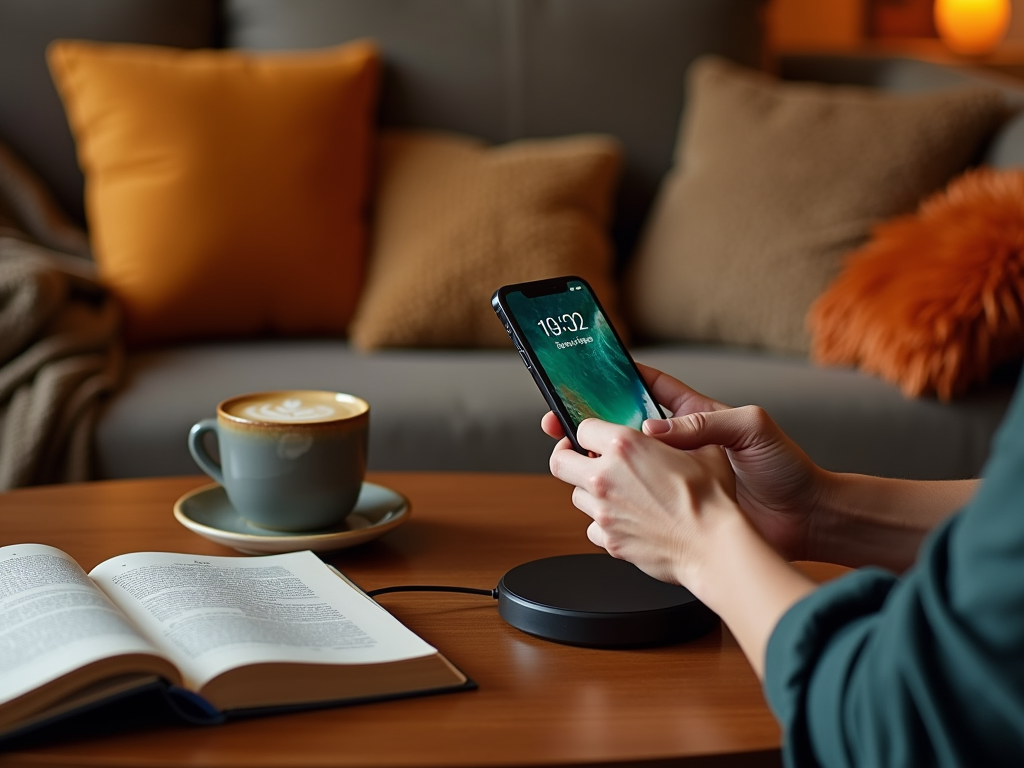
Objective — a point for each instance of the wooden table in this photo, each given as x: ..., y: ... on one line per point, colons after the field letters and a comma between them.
x: 538, y: 703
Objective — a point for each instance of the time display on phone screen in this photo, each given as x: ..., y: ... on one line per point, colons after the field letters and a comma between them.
x: 567, y: 323
x: 578, y: 350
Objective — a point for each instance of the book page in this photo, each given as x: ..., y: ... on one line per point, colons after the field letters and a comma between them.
x: 212, y: 614
x: 53, y: 620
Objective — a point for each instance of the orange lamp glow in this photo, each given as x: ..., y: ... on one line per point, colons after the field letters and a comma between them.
x: 972, y: 27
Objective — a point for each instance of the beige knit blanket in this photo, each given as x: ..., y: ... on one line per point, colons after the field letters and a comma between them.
x: 59, y: 345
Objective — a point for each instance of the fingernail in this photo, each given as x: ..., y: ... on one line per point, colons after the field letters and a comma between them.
x: 656, y: 426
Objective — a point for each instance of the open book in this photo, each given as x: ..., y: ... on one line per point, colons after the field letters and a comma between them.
x: 216, y: 635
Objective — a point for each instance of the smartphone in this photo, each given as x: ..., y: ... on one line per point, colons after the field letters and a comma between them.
x: 575, y: 355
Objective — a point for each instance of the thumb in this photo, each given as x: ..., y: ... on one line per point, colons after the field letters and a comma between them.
x: 732, y: 428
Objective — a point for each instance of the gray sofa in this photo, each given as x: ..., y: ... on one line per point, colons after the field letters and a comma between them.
x: 499, y: 70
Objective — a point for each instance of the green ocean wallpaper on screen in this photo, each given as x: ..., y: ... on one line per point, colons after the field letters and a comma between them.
x: 577, y: 349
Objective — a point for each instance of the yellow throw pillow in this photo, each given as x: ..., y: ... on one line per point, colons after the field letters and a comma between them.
x: 455, y: 219
x: 773, y: 183
x: 225, y: 191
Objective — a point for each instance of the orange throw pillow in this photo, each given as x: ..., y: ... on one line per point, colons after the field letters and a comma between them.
x: 935, y: 300
x: 225, y: 191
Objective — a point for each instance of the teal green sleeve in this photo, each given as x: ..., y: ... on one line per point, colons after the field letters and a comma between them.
x: 927, y: 669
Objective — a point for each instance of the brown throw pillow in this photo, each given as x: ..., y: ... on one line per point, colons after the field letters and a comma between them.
x: 773, y: 182
x: 935, y: 300
x: 455, y: 219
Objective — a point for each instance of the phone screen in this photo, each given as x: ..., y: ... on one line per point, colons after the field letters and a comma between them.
x: 576, y: 348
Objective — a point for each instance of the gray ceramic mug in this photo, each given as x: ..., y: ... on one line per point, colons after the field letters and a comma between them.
x: 292, y: 460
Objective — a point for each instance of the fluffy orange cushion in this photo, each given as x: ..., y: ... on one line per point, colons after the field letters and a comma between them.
x: 935, y: 300
x: 225, y: 191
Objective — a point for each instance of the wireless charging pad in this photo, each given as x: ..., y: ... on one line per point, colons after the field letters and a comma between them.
x: 596, y: 600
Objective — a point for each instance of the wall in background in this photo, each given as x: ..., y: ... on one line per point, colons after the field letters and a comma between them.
x: 846, y: 24
x: 796, y: 24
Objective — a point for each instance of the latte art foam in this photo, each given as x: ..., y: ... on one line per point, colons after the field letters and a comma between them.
x: 290, y: 410
x: 294, y: 407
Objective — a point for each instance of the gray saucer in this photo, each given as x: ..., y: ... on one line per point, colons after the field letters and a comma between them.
x: 208, y: 512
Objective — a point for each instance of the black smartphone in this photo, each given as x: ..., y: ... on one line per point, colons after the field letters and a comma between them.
x: 575, y: 355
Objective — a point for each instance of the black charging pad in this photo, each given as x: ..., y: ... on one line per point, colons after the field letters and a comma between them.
x: 596, y: 600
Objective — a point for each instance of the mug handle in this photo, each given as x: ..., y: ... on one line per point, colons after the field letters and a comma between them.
x: 197, y: 448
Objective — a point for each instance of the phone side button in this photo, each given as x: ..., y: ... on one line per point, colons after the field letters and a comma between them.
x: 525, y: 361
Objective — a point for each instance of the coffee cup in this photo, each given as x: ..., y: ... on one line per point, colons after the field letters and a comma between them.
x: 290, y: 460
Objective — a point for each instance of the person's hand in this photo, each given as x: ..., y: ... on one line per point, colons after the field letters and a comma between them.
x: 669, y: 392
x: 676, y: 514
x: 651, y: 504
x: 777, y: 485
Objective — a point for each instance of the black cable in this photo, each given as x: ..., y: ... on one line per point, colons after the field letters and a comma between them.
x: 428, y: 588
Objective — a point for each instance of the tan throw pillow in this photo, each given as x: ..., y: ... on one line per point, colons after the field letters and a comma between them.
x: 773, y: 183
x: 455, y: 219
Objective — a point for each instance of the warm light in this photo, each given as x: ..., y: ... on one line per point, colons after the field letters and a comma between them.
x: 972, y: 27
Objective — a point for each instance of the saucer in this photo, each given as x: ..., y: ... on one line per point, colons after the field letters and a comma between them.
x: 208, y: 512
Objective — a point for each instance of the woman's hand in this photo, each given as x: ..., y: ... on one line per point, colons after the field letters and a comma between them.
x: 651, y: 504
x: 674, y: 515
x: 777, y: 485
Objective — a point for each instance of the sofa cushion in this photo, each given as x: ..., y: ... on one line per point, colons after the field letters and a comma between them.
x: 503, y: 70
x: 479, y: 410
x: 455, y: 219
x: 935, y: 300
x: 773, y: 183
x: 226, y: 191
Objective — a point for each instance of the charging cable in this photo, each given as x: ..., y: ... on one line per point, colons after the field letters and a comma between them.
x: 493, y: 593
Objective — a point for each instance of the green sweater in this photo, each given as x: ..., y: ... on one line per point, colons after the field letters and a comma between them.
x: 927, y: 669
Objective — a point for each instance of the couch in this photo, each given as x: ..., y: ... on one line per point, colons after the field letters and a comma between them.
x: 498, y: 70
